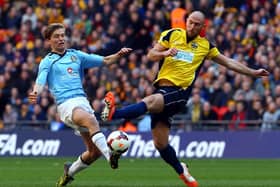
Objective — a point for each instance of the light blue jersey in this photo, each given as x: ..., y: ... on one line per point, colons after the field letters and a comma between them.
x: 64, y: 73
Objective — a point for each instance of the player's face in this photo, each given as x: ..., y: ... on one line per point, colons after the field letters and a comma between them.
x: 57, y: 41
x: 194, y: 26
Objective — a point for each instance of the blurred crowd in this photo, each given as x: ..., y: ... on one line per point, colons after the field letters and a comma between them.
x: 247, y: 30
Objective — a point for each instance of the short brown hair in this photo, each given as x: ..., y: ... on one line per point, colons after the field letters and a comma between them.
x: 47, y: 33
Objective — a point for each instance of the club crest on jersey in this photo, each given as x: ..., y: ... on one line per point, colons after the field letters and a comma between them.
x: 70, y: 70
x: 194, y: 45
x: 73, y: 58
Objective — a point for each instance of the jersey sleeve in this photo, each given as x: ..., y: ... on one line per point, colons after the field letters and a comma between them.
x: 90, y: 60
x: 164, y: 38
x: 213, y: 52
x: 43, y: 72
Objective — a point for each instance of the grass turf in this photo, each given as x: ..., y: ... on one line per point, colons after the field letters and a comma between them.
x: 43, y: 172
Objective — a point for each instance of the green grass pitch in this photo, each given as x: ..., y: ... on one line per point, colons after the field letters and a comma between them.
x: 44, y: 172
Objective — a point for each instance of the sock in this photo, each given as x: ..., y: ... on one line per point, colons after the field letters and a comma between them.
x: 131, y: 111
x: 100, y: 141
x: 169, y: 155
x: 77, y: 166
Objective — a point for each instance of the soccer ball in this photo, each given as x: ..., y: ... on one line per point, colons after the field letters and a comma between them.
x: 118, y: 141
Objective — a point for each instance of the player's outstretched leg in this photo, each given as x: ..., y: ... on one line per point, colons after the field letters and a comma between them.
x: 114, y: 159
x: 109, y: 108
x: 65, y: 178
x: 187, y: 178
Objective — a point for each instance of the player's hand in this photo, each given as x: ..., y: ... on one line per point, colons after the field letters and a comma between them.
x: 171, y: 52
x: 261, y: 73
x: 32, y: 97
x: 124, y: 51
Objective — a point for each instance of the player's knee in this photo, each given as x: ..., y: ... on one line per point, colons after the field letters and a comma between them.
x: 159, y: 145
x: 78, y: 115
x: 83, y: 118
x: 154, y: 102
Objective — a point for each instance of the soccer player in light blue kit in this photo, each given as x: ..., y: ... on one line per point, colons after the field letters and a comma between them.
x: 63, y: 70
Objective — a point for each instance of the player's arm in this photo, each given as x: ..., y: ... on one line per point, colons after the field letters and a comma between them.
x: 158, y: 52
x: 39, y: 83
x: 37, y: 89
x: 116, y: 56
x: 239, y: 67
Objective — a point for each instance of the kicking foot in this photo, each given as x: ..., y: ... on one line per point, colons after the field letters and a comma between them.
x: 114, y: 160
x: 65, y: 179
x: 109, y: 108
x: 187, y: 178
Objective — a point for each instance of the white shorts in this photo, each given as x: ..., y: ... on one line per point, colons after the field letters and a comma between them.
x: 65, y: 111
